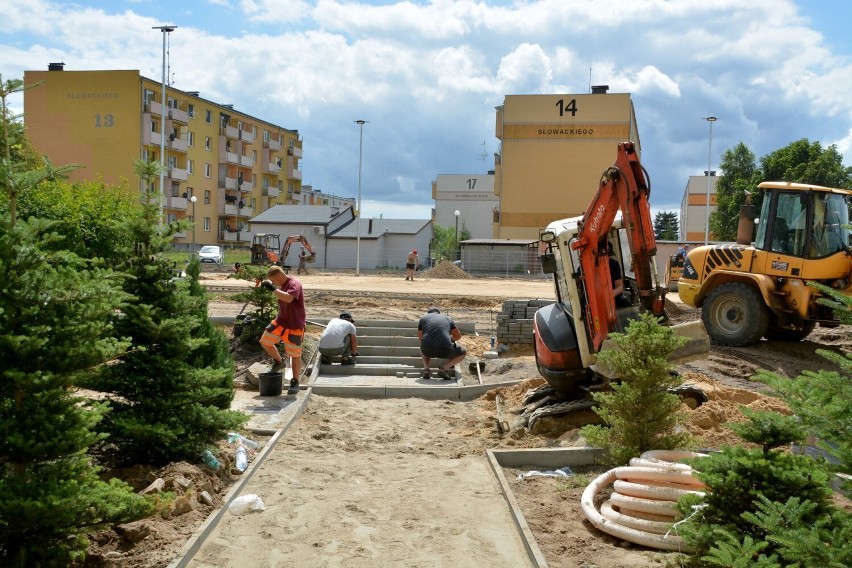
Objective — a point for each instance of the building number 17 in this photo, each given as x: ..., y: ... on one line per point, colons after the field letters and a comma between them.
x: 570, y: 107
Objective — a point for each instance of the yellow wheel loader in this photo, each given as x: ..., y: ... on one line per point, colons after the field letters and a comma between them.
x: 747, y: 291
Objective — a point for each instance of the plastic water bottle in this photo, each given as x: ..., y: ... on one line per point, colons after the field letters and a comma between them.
x: 211, y: 460
x: 246, y: 504
x: 233, y: 437
x: 241, y: 458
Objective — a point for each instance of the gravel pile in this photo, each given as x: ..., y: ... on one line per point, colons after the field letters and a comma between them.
x: 445, y: 269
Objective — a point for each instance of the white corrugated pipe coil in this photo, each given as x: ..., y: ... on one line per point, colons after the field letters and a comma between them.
x: 641, y: 508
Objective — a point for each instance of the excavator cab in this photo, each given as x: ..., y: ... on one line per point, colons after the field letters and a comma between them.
x: 264, y: 248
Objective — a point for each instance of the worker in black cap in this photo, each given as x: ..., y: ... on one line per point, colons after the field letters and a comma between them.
x: 339, y: 338
x: 438, y: 335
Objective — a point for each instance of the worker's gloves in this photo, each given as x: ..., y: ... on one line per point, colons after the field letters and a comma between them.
x: 268, y: 285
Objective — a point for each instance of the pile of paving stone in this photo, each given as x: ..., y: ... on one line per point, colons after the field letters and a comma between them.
x: 515, y: 321
x: 445, y: 269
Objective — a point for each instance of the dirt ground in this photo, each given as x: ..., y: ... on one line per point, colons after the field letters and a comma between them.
x: 347, y: 464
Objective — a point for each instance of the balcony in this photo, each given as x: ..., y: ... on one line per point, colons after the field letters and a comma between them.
x: 246, y: 186
x: 295, y: 152
x: 232, y: 132
x: 235, y: 236
x: 295, y: 174
x: 178, y: 174
x: 177, y: 144
x: 231, y: 183
x: 178, y: 115
x: 180, y: 235
x: 232, y: 158
x: 272, y: 168
x: 153, y: 138
x: 177, y: 203
x: 246, y: 136
x: 271, y: 191
x: 230, y: 209
x: 247, y: 161
x: 246, y: 212
x: 273, y: 145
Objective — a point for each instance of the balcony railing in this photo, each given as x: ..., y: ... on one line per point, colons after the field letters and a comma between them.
x: 231, y: 183
x: 247, y: 161
x: 178, y: 174
x: 246, y: 136
x: 297, y: 174
x: 178, y: 144
x: 273, y: 145
x: 177, y: 203
x: 232, y: 132
x: 272, y: 191
x: 230, y: 209
x: 246, y: 186
x: 232, y: 157
x: 295, y: 151
x: 272, y: 168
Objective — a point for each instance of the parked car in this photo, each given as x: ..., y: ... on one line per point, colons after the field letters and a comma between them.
x: 211, y: 253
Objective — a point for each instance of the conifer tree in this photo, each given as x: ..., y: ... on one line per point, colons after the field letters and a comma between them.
x: 164, y: 406
x: 639, y: 414
x: 54, y: 328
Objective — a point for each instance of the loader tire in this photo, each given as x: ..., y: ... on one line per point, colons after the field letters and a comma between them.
x: 792, y: 335
x: 734, y: 314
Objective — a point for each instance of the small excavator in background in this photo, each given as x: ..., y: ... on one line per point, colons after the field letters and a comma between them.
x: 749, y: 291
x: 266, y: 249
x: 570, y: 333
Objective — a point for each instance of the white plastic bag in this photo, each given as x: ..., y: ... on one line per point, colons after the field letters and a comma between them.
x: 562, y: 472
x: 246, y: 504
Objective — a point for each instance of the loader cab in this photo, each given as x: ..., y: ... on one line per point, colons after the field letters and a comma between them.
x: 265, y: 247
x: 803, y: 221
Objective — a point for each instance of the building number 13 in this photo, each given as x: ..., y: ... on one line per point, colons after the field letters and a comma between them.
x: 566, y: 108
x: 107, y: 120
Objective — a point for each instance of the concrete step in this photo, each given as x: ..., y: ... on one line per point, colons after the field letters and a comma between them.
x: 379, y: 368
x: 387, y: 341
x: 388, y: 350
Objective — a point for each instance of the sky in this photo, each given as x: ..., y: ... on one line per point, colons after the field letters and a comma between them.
x: 427, y: 75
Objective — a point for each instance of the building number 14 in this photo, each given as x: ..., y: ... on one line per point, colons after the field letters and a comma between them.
x: 566, y: 108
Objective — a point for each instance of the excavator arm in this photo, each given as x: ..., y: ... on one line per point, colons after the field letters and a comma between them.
x: 624, y: 187
x: 300, y: 239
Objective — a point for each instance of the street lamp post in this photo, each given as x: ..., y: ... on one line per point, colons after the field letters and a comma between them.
x: 361, y: 124
x: 165, y: 30
x: 457, y: 252
x: 193, y: 199
x: 711, y: 120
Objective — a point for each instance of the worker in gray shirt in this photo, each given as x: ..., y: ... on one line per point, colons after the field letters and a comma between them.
x: 438, y: 335
x: 339, y: 338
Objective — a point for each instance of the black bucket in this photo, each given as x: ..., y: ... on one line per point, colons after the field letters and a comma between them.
x: 270, y: 383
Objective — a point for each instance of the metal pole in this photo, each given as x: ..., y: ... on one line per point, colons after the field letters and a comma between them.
x: 193, y: 199
x: 711, y: 120
x: 361, y: 124
x: 164, y: 30
x: 457, y: 252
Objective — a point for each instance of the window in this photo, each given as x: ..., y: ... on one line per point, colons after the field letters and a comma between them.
x: 266, y: 136
x: 172, y: 162
x: 189, y: 166
x: 207, y: 170
x: 191, y: 111
x: 254, y: 155
x: 206, y: 142
x: 206, y: 197
x: 207, y: 223
x: 190, y: 139
x: 171, y: 218
x: 208, y: 117
x: 292, y: 143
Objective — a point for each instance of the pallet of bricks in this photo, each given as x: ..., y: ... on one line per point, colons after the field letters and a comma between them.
x: 515, y: 321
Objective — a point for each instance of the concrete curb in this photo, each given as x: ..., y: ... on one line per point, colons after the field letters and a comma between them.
x: 449, y: 392
x: 538, y: 457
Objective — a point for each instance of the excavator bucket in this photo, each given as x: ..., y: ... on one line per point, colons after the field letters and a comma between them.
x: 697, y: 348
x: 311, y: 257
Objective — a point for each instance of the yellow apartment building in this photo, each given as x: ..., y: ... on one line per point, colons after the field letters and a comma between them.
x: 234, y: 164
x: 553, y: 151
x: 694, y: 210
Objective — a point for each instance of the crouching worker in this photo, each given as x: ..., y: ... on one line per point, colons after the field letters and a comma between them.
x: 438, y: 335
x: 288, y: 327
x: 339, y: 338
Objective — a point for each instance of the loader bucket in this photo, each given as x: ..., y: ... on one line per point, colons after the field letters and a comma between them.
x: 697, y: 348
